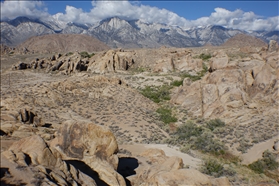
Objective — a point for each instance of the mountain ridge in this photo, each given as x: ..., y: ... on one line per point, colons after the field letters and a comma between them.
x: 120, y: 33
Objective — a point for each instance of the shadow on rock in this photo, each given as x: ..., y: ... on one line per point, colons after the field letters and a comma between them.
x: 7, y: 179
x: 126, y: 167
x: 80, y: 165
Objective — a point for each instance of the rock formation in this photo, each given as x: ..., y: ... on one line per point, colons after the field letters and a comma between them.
x: 87, y: 143
x: 231, y: 87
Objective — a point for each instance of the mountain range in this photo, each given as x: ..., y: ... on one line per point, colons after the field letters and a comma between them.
x: 120, y: 33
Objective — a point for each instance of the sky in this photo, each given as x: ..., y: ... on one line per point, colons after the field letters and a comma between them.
x: 245, y: 15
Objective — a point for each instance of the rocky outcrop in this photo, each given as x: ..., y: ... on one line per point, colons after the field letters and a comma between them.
x: 78, y: 146
x: 273, y: 46
x: 158, y: 169
x: 63, y: 63
x: 219, y: 61
x: 34, y: 150
x: 157, y: 60
x: 94, y: 145
x: 111, y: 61
x: 6, y: 50
x: 231, y: 87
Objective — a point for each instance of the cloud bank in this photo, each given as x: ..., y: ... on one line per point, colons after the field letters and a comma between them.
x: 100, y: 10
x: 12, y: 9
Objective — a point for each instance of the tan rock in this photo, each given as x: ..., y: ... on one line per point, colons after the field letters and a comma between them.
x: 272, y: 46
x: 264, y: 78
x: 252, y: 105
x: 222, y: 181
x: 35, y: 147
x: 22, y: 134
x: 178, y: 177
x: 219, y: 61
x: 8, y: 128
x: 93, y: 144
x: 7, y: 117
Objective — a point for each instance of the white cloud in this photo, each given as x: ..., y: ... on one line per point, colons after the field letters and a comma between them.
x: 13, y: 9
x: 123, y: 9
x: 238, y: 19
x: 100, y: 10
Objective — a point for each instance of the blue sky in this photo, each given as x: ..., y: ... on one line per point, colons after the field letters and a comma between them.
x: 196, y: 9
x: 246, y: 15
x: 188, y: 9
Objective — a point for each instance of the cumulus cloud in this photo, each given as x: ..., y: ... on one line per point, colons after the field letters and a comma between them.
x: 238, y: 19
x: 100, y: 10
x: 12, y: 9
x: 123, y: 9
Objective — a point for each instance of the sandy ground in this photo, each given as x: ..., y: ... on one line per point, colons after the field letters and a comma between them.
x: 188, y: 160
x: 255, y: 153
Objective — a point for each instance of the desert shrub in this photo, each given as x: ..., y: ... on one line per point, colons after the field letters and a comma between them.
x: 191, y: 77
x: 229, y: 157
x: 212, y: 124
x: 204, y: 56
x: 86, y: 55
x: 228, y: 171
x: 69, y: 53
x: 268, y: 162
x: 177, y: 83
x: 165, y: 115
x: 212, y: 167
x: 204, y: 70
x: 199, y: 138
x: 187, y: 130
x: 206, y: 143
x: 139, y: 70
x: 156, y: 94
x: 195, y: 77
x: 243, y: 146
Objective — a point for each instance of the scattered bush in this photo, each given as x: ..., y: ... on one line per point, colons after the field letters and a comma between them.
x: 268, y: 162
x: 191, y: 77
x: 156, y: 94
x: 165, y: 115
x: 204, y: 70
x: 212, y: 124
x: 187, y: 130
x: 195, y: 77
x: 199, y: 138
x: 212, y: 167
x: 206, y: 143
x: 69, y: 53
x: 139, y: 70
x: 243, y: 146
x: 204, y: 56
x: 177, y: 83
x: 86, y: 55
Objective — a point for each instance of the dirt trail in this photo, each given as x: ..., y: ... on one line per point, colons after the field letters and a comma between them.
x: 257, y: 150
x: 188, y: 160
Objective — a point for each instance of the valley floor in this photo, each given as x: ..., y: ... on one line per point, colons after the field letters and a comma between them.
x: 113, y: 101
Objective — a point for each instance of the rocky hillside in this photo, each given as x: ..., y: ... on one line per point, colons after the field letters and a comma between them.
x: 62, y: 43
x: 6, y: 50
x: 243, y: 40
x: 75, y: 119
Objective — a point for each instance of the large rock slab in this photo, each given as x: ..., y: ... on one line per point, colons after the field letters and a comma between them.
x: 93, y: 144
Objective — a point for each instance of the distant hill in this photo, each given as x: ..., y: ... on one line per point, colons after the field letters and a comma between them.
x: 5, y: 49
x: 63, y: 43
x: 243, y: 40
